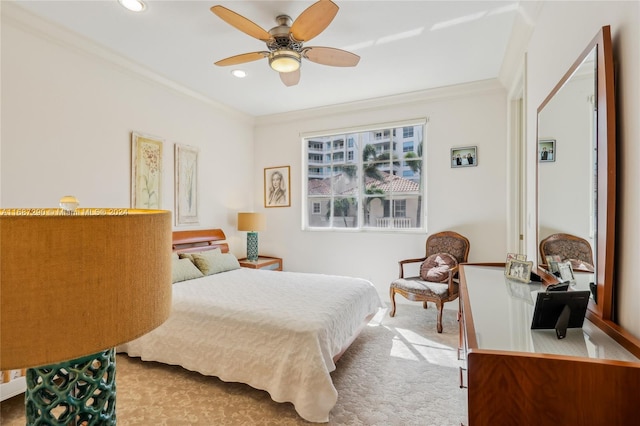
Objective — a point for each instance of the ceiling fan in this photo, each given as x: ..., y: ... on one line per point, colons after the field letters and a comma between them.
x: 285, y: 41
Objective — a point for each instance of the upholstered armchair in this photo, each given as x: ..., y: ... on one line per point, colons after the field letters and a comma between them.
x: 438, y: 278
x: 570, y: 248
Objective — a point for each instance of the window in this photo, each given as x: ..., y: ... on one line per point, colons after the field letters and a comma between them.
x: 407, y: 132
x: 378, y: 185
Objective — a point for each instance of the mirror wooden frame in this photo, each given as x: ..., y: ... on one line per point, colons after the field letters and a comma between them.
x: 606, y: 170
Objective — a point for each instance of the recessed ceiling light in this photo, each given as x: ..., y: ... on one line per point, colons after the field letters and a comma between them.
x: 239, y: 73
x: 133, y: 5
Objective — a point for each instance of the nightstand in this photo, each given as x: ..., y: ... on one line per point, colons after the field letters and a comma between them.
x: 263, y: 262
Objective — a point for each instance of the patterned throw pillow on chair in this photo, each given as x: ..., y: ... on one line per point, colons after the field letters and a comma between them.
x: 436, y: 267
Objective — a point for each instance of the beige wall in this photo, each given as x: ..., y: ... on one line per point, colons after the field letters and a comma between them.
x: 68, y: 109
x: 562, y: 31
x: 470, y: 200
x: 565, y: 186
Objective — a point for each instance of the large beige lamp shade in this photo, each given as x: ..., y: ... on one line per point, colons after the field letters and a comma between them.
x: 76, y: 284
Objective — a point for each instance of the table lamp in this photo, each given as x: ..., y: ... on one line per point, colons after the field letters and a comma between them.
x: 74, y: 284
x: 251, y: 222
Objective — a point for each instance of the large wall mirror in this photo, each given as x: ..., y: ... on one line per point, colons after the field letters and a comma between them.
x: 577, y: 172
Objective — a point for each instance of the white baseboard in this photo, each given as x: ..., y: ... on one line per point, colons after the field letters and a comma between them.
x: 13, y: 388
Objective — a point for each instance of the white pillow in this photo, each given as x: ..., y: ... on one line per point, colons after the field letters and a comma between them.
x: 210, y: 252
x: 184, y: 269
x: 214, y: 263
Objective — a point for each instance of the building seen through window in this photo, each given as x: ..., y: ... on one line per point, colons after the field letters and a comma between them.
x: 373, y: 182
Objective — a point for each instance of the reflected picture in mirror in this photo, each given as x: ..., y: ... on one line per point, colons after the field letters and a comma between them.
x: 566, y: 271
x: 546, y: 150
x: 552, y: 263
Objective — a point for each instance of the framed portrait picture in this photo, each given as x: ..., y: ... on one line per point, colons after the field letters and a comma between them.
x: 146, y: 171
x: 186, y: 185
x: 546, y: 150
x: 466, y: 156
x: 277, y: 186
x: 513, y: 256
x: 566, y: 271
x: 519, y: 270
x: 552, y: 263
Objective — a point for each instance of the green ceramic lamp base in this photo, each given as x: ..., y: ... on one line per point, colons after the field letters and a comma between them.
x: 252, y: 246
x: 81, y: 391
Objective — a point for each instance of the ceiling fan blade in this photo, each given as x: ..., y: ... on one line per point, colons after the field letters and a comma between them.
x: 290, y: 78
x: 330, y: 56
x: 313, y: 20
x: 240, y: 22
x: 241, y: 59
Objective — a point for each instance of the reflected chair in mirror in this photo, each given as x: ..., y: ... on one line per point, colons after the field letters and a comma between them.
x: 437, y: 281
x: 570, y: 248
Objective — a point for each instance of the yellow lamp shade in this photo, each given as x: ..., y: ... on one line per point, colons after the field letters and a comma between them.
x: 251, y: 222
x: 75, y: 284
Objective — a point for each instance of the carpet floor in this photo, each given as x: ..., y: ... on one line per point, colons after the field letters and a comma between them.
x: 398, y: 372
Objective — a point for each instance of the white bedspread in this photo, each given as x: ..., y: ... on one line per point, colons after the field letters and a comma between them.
x: 276, y: 331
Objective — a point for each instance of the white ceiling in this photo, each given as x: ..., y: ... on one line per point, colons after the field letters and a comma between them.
x: 405, y: 46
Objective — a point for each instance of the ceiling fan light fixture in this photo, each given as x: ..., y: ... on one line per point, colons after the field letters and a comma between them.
x: 133, y: 5
x: 284, y: 60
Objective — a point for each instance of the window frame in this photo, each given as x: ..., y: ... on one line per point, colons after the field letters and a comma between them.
x: 394, y: 140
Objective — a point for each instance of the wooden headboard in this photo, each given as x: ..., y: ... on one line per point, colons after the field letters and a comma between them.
x: 199, y: 240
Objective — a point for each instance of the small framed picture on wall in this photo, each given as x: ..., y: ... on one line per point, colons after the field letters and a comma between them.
x: 466, y: 156
x: 277, y: 186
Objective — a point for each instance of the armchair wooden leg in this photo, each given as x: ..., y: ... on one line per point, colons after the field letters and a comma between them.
x: 392, y: 295
x: 439, y: 324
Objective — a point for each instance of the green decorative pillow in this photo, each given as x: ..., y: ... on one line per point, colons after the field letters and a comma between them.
x: 184, y: 269
x: 190, y: 255
x: 213, y: 263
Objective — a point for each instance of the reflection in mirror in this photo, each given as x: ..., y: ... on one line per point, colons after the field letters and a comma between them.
x: 566, y: 180
x: 576, y: 173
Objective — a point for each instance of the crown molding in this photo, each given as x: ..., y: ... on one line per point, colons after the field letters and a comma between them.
x: 418, y: 97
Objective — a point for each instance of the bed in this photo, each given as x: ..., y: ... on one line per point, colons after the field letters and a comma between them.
x: 281, y: 332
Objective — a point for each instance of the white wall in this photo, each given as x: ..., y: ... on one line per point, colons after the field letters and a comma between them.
x: 467, y: 200
x: 68, y: 109
x: 562, y: 31
x: 565, y: 185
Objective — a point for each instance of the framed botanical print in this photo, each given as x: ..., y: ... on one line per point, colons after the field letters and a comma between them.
x: 146, y: 171
x: 186, y: 185
x: 277, y: 186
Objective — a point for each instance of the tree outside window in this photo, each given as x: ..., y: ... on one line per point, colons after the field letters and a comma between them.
x: 371, y: 183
